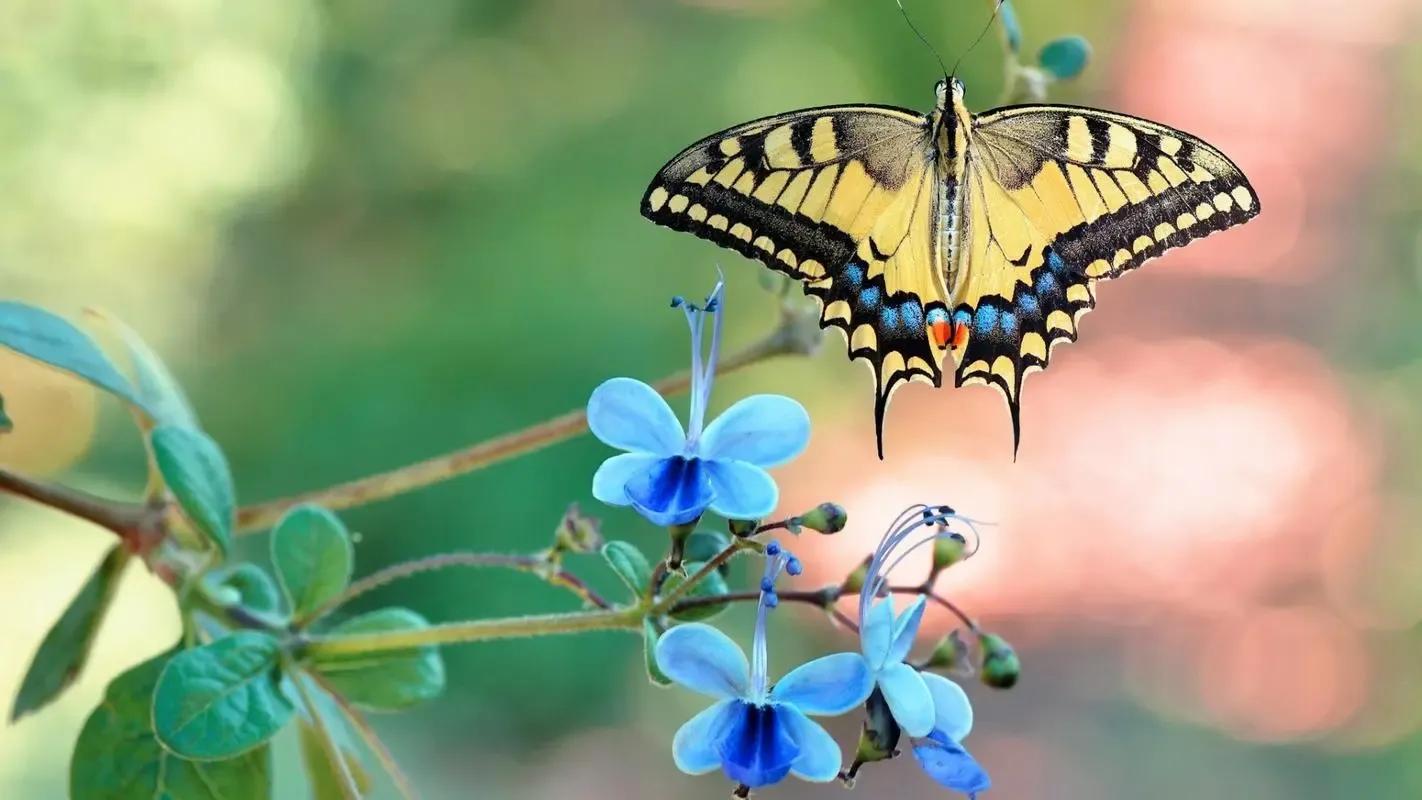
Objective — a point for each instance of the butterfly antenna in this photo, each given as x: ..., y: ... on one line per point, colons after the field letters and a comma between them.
x: 996, y: 7
x: 924, y: 39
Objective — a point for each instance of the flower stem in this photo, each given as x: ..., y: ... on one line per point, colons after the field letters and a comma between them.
x: 371, y: 738
x: 128, y: 520
x: 787, y: 339
x: 332, y: 751
x: 521, y: 563
x: 821, y: 598
x: 667, y: 603
x: 629, y: 619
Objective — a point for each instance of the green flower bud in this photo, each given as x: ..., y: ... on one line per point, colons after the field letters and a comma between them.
x: 951, y: 654
x: 878, y: 739
x: 947, y: 551
x: 679, y: 534
x: 5, y: 424
x: 854, y: 582
x: 577, y: 532
x: 999, y: 667
x: 1066, y: 57
x: 742, y: 528
x: 825, y: 518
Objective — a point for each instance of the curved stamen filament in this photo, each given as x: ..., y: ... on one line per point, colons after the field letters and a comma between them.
x: 775, y: 561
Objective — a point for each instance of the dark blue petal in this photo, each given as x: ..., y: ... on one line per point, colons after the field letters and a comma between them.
x: 950, y: 765
x: 673, y: 492
x: 757, y: 749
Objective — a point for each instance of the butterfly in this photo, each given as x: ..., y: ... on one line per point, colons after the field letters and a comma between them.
x: 979, y: 237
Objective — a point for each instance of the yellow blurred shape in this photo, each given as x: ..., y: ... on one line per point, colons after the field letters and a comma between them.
x: 53, y: 414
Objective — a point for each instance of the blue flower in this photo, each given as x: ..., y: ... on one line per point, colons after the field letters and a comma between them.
x: 931, y: 709
x: 754, y: 733
x: 670, y: 475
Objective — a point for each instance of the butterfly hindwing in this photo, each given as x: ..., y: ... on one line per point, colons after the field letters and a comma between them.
x: 1058, y: 198
x: 842, y: 198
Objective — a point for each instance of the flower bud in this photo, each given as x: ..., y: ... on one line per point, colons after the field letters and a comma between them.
x: 948, y: 550
x: 5, y: 424
x: 742, y: 528
x: 1065, y: 57
x: 999, y: 667
x: 951, y: 654
x: 577, y: 532
x: 877, y: 739
x: 825, y: 518
x: 854, y: 582
x: 679, y: 535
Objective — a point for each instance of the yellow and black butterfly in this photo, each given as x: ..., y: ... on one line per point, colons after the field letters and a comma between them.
x: 977, y: 235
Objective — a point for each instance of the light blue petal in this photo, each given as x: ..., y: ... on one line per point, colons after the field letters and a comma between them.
x: 743, y: 491
x: 952, y: 713
x: 766, y: 430
x: 951, y: 766
x: 696, y: 746
x: 905, y: 630
x: 908, y: 697
x: 819, y: 759
x: 876, y: 632
x: 630, y: 415
x: 827, y: 686
x: 704, y: 660
x: 610, y: 480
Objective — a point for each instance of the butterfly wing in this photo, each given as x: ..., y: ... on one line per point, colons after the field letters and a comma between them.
x: 842, y: 198
x: 1058, y: 198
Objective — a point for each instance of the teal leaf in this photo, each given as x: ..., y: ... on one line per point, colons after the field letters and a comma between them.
x: 705, y: 545
x: 163, y: 399
x: 65, y: 648
x: 196, y: 472
x: 1011, y: 28
x: 713, y: 585
x: 321, y: 771
x: 629, y: 564
x: 46, y: 337
x: 649, y: 654
x: 222, y: 699
x: 118, y: 757
x: 1065, y: 57
x: 311, y: 552
x: 388, y: 681
x: 254, y: 587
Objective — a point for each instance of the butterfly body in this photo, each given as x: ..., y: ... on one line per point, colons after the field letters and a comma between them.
x: 949, y: 238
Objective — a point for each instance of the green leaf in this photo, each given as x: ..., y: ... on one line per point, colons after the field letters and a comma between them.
x: 163, y: 399
x: 385, y: 681
x: 65, y: 648
x: 51, y: 339
x: 705, y: 545
x: 254, y: 587
x: 118, y: 757
x: 223, y: 699
x: 649, y: 654
x: 713, y: 585
x: 322, y: 773
x: 196, y: 471
x: 312, y: 554
x: 629, y: 564
x: 1065, y: 57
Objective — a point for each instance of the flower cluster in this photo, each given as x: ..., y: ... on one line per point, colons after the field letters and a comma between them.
x: 757, y: 732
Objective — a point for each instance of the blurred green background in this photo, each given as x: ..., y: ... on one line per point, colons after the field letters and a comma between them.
x: 368, y: 232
